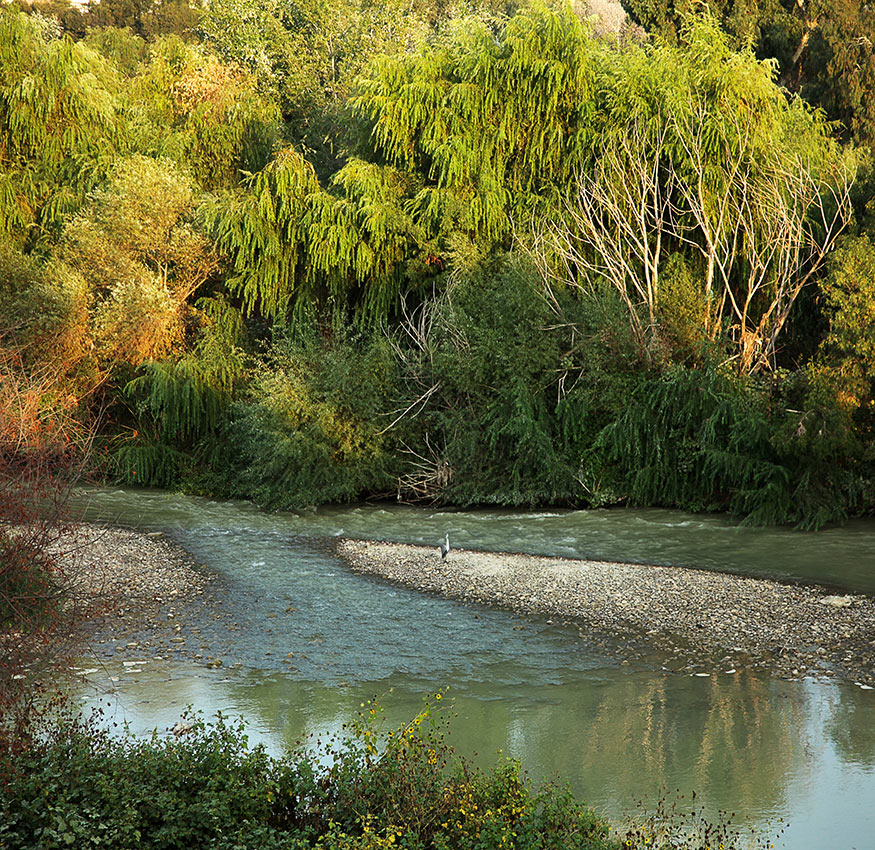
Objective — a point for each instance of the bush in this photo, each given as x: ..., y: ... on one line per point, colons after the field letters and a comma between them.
x: 310, y: 430
x: 707, y: 439
x: 206, y: 788
x: 523, y: 381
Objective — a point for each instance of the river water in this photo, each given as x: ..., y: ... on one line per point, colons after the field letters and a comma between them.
x: 797, y: 755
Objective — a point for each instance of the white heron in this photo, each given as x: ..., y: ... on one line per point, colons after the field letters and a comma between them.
x: 445, y: 546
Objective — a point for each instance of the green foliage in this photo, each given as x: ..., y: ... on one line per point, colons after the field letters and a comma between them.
x: 697, y: 440
x: 57, y: 120
x: 492, y: 121
x: 370, y: 790
x: 293, y: 245
x: 848, y: 292
x: 121, y: 47
x: 205, y: 114
x: 515, y: 386
x: 89, y: 790
x: 148, y: 19
x: 469, y: 377
x: 22, y: 300
x: 306, y: 55
x: 702, y: 167
x: 823, y: 48
x: 181, y: 405
x: 310, y: 429
x: 839, y: 393
x: 707, y: 440
x: 494, y: 358
x: 141, y: 258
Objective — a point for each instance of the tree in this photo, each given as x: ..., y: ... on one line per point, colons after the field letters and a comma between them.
x: 58, y: 121
x: 844, y: 363
x: 295, y: 247
x: 701, y: 153
x: 306, y: 54
x: 824, y: 48
x: 148, y: 19
x: 465, y: 134
x: 493, y: 122
x: 140, y: 258
x: 205, y: 114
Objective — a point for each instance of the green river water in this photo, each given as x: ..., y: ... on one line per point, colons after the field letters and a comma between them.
x: 620, y: 728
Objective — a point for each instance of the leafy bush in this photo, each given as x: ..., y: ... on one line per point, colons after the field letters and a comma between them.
x: 310, y: 429
x: 706, y: 439
x: 206, y: 788
x: 519, y: 382
x: 367, y: 789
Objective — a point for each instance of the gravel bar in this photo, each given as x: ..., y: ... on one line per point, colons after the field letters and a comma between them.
x: 118, y: 566
x: 137, y: 592
x: 694, y: 618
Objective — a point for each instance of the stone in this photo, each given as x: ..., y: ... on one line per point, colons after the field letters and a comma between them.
x: 837, y: 601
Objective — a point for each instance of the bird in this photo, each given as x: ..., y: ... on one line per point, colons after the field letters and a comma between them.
x: 445, y: 546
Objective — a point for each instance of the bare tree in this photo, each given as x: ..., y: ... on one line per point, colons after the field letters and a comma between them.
x: 614, y: 226
x: 762, y: 224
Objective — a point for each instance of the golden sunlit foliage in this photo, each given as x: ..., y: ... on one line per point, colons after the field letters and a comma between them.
x: 315, y: 250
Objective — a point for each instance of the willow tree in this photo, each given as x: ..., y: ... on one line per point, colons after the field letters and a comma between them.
x: 465, y: 133
x: 701, y: 154
x: 307, y: 53
x: 58, y: 122
x: 823, y: 48
x: 492, y: 122
x: 294, y: 246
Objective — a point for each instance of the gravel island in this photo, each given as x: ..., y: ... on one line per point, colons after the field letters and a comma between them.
x: 696, y: 618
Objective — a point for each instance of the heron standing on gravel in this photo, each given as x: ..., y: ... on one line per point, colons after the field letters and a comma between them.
x: 445, y: 546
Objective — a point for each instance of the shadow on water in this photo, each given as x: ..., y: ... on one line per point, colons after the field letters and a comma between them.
x: 618, y: 729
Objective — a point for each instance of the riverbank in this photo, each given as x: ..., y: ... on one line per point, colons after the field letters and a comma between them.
x: 137, y: 592
x: 698, y: 619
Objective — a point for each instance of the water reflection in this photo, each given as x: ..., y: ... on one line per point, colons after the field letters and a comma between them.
x: 743, y: 742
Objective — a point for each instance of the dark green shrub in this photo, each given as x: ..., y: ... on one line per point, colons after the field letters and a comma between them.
x: 208, y: 789
x: 523, y: 381
x: 705, y: 439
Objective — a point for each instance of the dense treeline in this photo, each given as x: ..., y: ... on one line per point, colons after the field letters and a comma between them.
x: 503, y: 254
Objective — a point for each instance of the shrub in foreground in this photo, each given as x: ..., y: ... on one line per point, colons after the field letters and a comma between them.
x: 366, y: 790
x: 207, y: 789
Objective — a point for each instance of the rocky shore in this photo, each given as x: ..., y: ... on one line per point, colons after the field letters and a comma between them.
x: 696, y: 619
x: 139, y: 593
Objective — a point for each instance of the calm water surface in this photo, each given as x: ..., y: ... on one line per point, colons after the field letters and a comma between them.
x: 619, y: 730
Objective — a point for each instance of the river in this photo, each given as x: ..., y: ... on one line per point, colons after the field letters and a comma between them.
x: 797, y: 755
